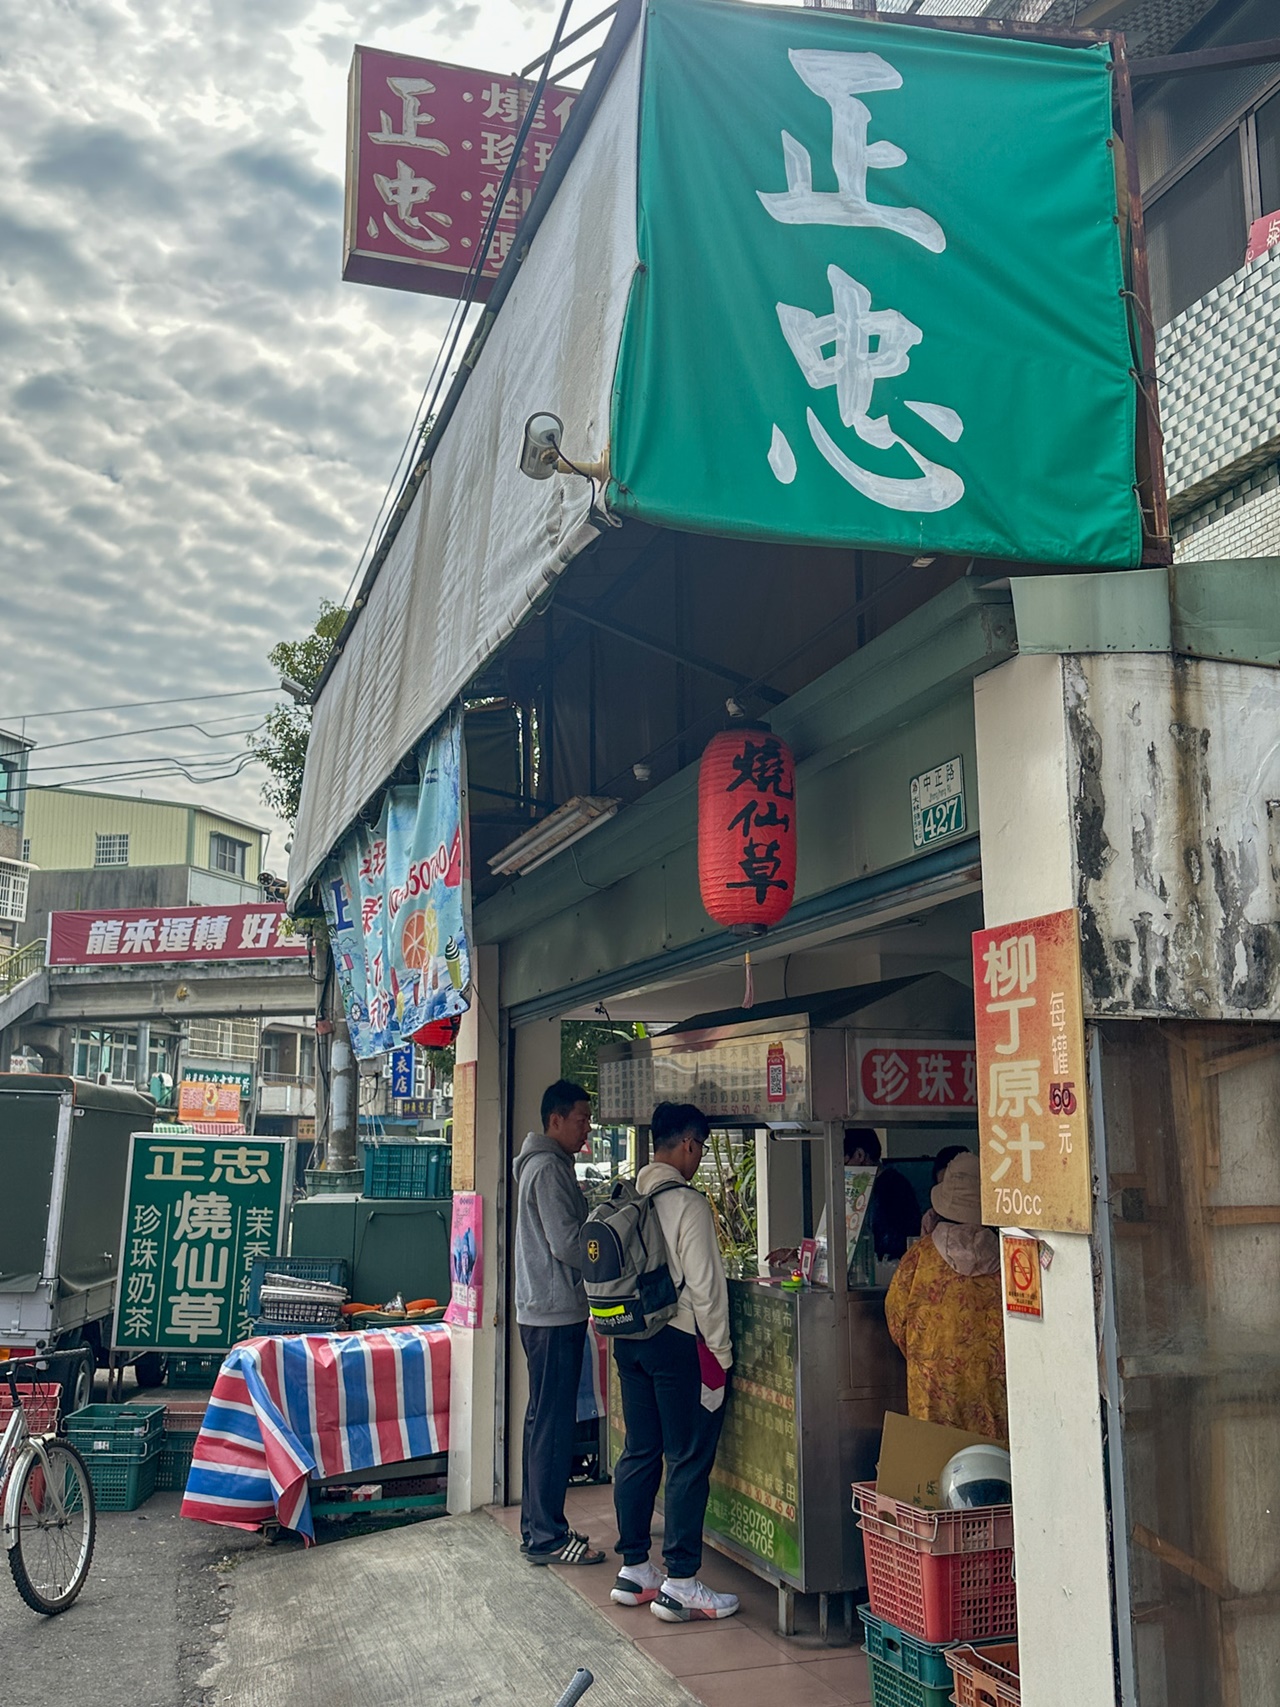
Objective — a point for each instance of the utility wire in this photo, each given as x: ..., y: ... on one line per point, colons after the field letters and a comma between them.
x: 152, y: 729
x: 170, y: 768
x: 140, y: 759
x: 131, y: 704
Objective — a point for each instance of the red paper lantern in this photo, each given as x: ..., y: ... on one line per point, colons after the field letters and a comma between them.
x: 439, y: 1034
x: 747, y: 828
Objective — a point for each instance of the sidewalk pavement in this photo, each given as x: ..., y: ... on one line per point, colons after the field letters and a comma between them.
x: 438, y: 1614
x: 735, y: 1662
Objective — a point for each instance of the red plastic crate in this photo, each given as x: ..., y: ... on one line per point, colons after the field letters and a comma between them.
x: 986, y: 1679
x: 40, y: 1400
x: 975, y: 1529
x: 938, y: 1597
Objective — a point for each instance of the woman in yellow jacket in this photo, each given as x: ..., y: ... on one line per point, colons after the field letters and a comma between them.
x: 944, y: 1312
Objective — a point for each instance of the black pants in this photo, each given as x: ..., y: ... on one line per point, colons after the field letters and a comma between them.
x: 554, y: 1356
x: 661, y: 1404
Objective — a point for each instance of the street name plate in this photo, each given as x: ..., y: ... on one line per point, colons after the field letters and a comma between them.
x: 937, y: 803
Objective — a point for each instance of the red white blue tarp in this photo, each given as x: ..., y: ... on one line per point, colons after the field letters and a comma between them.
x: 288, y: 1409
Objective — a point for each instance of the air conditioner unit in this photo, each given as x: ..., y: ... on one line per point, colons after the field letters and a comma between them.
x: 13, y: 889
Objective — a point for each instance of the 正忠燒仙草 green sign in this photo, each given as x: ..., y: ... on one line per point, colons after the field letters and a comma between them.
x: 197, y: 1212
x: 881, y: 295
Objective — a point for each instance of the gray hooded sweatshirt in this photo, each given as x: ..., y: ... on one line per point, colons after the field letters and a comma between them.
x: 550, y: 1210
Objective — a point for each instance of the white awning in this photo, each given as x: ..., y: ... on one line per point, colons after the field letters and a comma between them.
x: 482, y: 542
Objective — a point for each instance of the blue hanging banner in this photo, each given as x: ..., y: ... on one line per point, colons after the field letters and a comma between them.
x: 398, y: 904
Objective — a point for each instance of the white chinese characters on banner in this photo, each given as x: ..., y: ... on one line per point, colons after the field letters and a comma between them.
x: 913, y: 1076
x: 866, y: 343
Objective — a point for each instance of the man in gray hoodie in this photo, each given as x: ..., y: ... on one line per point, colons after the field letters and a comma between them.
x: 551, y: 1311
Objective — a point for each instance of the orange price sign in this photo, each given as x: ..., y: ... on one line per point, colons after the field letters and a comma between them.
x: 1032, y: 1092
x: 1022, y: 1294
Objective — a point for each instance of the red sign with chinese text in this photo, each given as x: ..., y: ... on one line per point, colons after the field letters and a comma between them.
x: 1033, y: 1096
x: 1264, y: 234
x: 427, y: 146
x: 910, y: 1076
x: 126, y: 936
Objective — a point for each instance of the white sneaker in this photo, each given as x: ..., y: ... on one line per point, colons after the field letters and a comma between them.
x: 637, y: 1585
x: 680, y: 1600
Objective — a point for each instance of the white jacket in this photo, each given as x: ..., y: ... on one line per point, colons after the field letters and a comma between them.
x: 694, y: 1256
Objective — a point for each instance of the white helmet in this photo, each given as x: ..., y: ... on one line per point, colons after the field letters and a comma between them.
x: 977, y: 1476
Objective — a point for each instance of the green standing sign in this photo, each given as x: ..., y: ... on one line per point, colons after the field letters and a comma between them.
x: 881, y: 299
x: 197, y: 1213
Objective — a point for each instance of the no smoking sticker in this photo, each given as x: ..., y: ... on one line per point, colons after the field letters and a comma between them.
x: 1022, y: 1294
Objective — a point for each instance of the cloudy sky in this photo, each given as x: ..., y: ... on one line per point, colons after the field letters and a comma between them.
x: 197, y: 418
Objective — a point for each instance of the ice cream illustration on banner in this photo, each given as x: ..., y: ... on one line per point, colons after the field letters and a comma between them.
x: 453, y: 960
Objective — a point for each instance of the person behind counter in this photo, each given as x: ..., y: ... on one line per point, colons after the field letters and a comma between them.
x: 944, y: 1313
x: 551, y: 1312
x: 673, y: 1390
x: 893, y: 1214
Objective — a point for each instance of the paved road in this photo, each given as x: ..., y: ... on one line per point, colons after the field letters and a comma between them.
x: 146, y: 1622
x: 141, y: 1633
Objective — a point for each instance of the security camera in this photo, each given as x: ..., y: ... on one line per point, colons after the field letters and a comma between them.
x: 295, y: 690
x: 541, y: 450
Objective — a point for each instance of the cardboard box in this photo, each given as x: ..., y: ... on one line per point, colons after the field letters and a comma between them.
x: 913, y: 1455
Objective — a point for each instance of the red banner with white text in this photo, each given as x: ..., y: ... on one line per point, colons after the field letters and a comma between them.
x: 128, y: 936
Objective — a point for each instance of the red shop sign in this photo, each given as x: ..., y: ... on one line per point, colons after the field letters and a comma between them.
x: 427, y: 146
x: 916, y: 1076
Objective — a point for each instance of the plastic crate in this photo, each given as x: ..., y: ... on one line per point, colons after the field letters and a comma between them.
x: 41, y: 1400
x: 198, y: 1371
x: 976, y: 1529
x: 121, y: 1480
x: 892, y: 1688
x: 174, y: 1461
x: 301, y: 1301
x: 124, y: 1430
x: 263, y: 1329
x: 986, y: 1677
x: 335, y: 1270
x: 938, y: 1597
x: 926, y: 1662
x: 408, y: 1170
x: 324, y: 1182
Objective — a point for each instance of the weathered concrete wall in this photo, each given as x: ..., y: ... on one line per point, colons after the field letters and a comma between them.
x: 1174, y: 768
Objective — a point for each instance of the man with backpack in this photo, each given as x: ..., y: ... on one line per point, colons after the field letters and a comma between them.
x: 551, y: 1312
x: 672, y: 1371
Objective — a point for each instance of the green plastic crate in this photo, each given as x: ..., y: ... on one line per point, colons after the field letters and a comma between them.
x: 122, y: 1481
x: 175, y: 1462
x: 893, y: 1688
x: 127, y: 1430
x: 194, y: 1371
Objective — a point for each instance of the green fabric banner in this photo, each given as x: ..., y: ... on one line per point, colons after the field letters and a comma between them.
x: 880, y: 294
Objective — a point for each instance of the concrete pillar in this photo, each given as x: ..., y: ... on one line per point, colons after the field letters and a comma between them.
x: 1055, y: 1425
x: 141, y: 1072
x: 473, y: 1437
x: 536, y: 1065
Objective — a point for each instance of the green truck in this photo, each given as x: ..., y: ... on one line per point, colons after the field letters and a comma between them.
x: 64, y: 1155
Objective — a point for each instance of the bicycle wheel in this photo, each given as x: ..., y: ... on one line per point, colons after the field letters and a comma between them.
x: 56, y: 1520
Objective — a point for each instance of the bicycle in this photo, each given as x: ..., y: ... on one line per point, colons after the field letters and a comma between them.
x: 49, y: 1516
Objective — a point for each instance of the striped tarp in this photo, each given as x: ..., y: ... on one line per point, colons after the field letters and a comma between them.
x: 291, y: 1407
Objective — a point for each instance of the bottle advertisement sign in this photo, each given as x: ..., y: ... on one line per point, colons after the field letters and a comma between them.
x: 1032, y: 1092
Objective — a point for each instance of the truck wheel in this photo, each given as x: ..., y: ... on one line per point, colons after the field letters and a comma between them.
x: 149, y: 1370
x: 77, y: 1383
